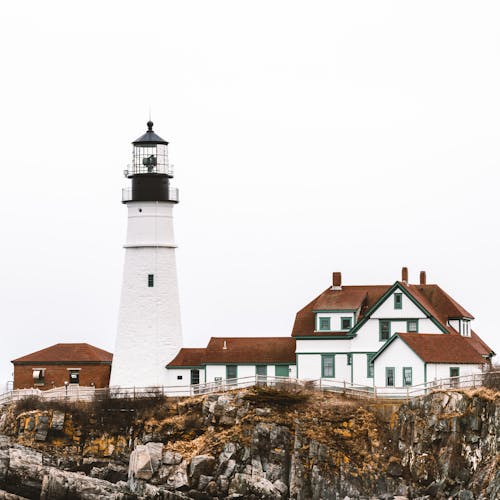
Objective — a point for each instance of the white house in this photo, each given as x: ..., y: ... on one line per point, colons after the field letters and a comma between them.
x: 350, y: 333
x: 409, y: 359
x: 385, y: 336
x: 230, y: 358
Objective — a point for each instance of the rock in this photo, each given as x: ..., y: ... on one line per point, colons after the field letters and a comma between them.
x: 394, y: 469
x: 246, y: 485
x: 4, y: 495
x: 29, y: 424
x: 203, y: 482
x: 200, y: 464
x: 42, y: 428
x: 4, y: 464
x: 174, y: 477
x: 262, y: 412
x: 57, y: 423
x: 171, y: 458
x: 144, y: 461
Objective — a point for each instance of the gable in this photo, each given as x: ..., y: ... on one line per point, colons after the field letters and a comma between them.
x: 408, y: 308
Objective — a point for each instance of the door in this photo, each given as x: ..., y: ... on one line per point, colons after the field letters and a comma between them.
x: 454, y: 374
x: 282, y: 370
x: 195, y: 380
x: 261, y: 372
x: 231, y: 374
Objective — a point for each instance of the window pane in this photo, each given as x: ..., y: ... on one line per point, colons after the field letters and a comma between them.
x: 407, y: 376
x: 231, y: 371
x: 328, y: 366
x: 369, y: 368
x: 324, y: 323
x: 346, y: 323
x: 151, y: 280
x: 261, y: 369
x: 195, y: 377
x: 398, y: 301
x: 389, y: 377
x: 413, y: 325
x: 385, y: 330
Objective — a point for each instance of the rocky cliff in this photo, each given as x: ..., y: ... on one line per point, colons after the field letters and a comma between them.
x: 255, y: 444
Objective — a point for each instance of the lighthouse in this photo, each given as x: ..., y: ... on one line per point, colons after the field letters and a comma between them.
x: 149, y: 326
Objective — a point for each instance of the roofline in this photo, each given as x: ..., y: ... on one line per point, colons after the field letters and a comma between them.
x: 384, y: 347
x: 73, y: 362
x: 391, y: 340
x: 383, y: 298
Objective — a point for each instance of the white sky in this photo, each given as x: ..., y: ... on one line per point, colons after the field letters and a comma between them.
x: 307, y: 137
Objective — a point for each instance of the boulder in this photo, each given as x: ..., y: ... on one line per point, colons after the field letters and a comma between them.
x: 57, y: 423
x: 171, y: 458
x: 200, y: 464
x: 144, y: 461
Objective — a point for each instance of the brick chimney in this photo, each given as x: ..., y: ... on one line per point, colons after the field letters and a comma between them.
x: 337, y: 281
x: 423, y: 278
x: 404, y: 275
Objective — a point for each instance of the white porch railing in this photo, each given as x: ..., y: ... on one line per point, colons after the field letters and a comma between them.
x: 77, y: 393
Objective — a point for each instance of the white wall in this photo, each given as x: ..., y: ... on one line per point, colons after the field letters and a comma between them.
x: 173, y: 373
x: 409, y: 309
x: 436, y: 371
x: 309, y: 366
x: 398, y: 355
x: 323, y: 345
x: 214, y: 371
x: 149, y: 325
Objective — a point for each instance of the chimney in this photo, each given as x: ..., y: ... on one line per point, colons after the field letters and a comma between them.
x: 404, y: 275
x: 337, y: 281
x: 224, y: 346
x: 423, y: 278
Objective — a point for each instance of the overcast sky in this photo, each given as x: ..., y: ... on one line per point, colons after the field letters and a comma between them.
x: 307, y: 137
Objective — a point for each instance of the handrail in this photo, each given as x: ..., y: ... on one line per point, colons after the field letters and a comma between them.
x: 82, y: 393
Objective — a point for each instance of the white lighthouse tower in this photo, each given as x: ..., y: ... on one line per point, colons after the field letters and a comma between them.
x: 149, y: 325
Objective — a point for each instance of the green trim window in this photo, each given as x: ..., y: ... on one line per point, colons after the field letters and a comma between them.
x: 195, y: 377
x: 369, y: 364
x: 346, y: 323
x: 349, y: 359
x: 324, y: 323
x: 282, y: 370
x: 412, y: 325
x: 151, y: 280
x: 261, y: 370
x: 327, y: 366
x: 454, y: 374
x: 384, y: 330
x: 398, y: 301
x: 390, y: 376
x: 231, y: 371
x: 407, y: 376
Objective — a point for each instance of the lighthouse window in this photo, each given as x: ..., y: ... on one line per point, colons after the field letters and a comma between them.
x: 151, y: 280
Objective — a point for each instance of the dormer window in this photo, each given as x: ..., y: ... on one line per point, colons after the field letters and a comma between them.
x: 346, y: 323
x: 324, y: 324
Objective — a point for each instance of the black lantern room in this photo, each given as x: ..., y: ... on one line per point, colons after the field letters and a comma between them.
x: 150, y: 171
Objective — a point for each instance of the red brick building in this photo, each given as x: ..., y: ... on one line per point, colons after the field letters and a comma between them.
x: 75, y: 364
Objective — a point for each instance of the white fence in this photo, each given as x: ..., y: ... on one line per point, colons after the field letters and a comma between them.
x: 77, y: 393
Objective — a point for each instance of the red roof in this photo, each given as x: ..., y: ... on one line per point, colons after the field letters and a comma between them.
x: 258, y: 350
x: 350, y: 297
x: 67, y: 353
x: 188, y: 356
x: 442, y: 348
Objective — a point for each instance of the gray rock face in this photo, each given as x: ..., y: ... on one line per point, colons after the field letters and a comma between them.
x: 441, y: 446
